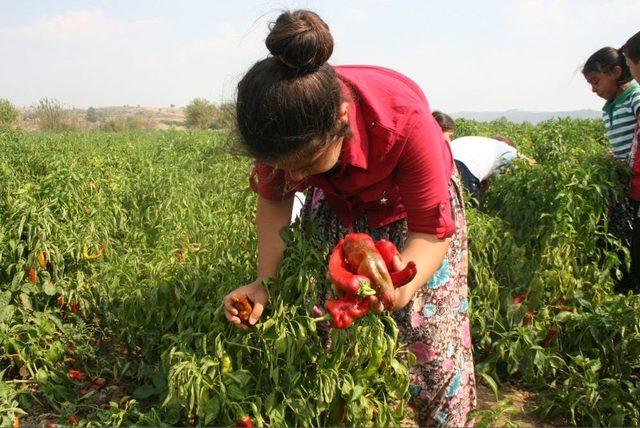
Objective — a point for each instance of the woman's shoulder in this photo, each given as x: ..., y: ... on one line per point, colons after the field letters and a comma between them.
x: 389, y: 97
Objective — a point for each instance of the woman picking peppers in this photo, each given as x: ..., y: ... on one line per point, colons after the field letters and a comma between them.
x: 363, y: 142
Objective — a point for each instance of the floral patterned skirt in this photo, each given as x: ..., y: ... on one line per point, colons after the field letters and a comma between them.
x: 435, y: 324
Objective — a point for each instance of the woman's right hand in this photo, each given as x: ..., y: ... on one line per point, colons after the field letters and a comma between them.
x: 258, y: 296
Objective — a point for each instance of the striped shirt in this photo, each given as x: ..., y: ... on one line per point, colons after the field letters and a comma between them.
x: 620, y: 120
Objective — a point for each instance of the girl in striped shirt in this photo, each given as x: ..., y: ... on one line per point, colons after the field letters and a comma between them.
x: 609, y: 76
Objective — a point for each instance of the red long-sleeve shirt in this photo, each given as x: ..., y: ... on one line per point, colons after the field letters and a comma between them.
x: 396, y: 165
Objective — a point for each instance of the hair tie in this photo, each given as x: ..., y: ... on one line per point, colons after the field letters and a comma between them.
x: 302, y: 67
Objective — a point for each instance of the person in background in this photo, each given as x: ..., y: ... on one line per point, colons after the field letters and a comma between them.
x: 610, y: 78
x: 477, y: 158
x: 363, y: 142
x: 631, y: 52
x: 446, y: 123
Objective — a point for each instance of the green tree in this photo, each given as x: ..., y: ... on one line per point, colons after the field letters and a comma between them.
x: 51, y: 116
x: 200, y: 113
x: 8, y: 114
x: 92, y: 115
x: 225, y: 117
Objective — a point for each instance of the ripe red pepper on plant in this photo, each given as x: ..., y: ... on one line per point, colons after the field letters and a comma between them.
x: 519, y: 298
x: 245, y: 422
x: 550, y: 335
x: 76, y: 375
x: 31, y: 272
x: 527, y: 318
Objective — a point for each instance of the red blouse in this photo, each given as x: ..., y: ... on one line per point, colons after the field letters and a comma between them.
x: 396, y: 165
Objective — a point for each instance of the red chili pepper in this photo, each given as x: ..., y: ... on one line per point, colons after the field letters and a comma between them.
x: 76, y: 375
x: 550, y: 335
x: 527, y: 318
x: 345, y: 280
x: 364, y: 258
x: 346, y: 310
x: 73, y: 419
x: 74, y: 306
x: 31, y: 272
x: 519, y: 298
x: 398, y: 277
x: 60, y: 301
x: 244, y: 422
x: 242, y: 304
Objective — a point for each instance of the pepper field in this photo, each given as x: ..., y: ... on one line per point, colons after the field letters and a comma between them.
x: 116, y: 249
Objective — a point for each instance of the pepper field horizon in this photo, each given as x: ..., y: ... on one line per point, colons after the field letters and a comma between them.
x: 116, y: 249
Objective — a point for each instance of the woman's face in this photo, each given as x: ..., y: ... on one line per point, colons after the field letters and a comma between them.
x: 321, y: 162
x: 449, y: 135
x: 635, y: 69
x: 605, y: 85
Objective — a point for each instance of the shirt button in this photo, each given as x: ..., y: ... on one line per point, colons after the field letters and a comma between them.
x: 372, y: 124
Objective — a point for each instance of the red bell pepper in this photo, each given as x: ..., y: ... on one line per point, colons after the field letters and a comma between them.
x: 399, y: 277
x: 343, y: 279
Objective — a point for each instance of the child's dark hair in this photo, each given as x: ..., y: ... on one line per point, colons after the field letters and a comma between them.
x: 631, y: 49
x: 604, y: 61
x: 445, y: 121
x: 288, y: 105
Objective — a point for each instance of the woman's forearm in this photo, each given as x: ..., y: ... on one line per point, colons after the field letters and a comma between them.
x: 271, y: 217
x: 427, y: 252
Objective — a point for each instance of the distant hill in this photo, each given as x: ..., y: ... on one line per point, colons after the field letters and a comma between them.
x: 519, y: 116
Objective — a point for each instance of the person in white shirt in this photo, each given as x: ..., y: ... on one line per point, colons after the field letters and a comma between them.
x: 477, y: 158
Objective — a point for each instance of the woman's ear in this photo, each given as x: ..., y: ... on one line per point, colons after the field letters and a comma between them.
x: 617, y: 72
x: 344, y: 112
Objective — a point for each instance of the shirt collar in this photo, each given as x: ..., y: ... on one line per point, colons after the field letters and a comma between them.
x: 623, y: 96
x: 355, y: 149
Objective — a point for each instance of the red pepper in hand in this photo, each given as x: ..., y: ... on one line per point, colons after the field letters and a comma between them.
x: 343, y: 279
x: 243, y: 306
x: 398, y: 277
x: 364, y: 258
x: 346, y: 310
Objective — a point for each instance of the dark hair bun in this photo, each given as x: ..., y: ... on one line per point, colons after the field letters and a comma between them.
x: 301, y: 40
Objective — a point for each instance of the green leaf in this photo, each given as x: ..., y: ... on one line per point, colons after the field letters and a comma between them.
x: 144, y: 391
x: 49, y: 289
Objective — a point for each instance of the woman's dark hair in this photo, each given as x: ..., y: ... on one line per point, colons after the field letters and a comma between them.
x: 631, y: 49
x: 445, y: 121
x: 604, y: 61
x: 288, y: 105
x: 505, y: 140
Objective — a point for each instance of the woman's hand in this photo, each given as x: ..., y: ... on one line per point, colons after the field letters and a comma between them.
x: 258, y: 296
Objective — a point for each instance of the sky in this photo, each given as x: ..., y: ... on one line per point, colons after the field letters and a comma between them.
x: 465, y: 55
